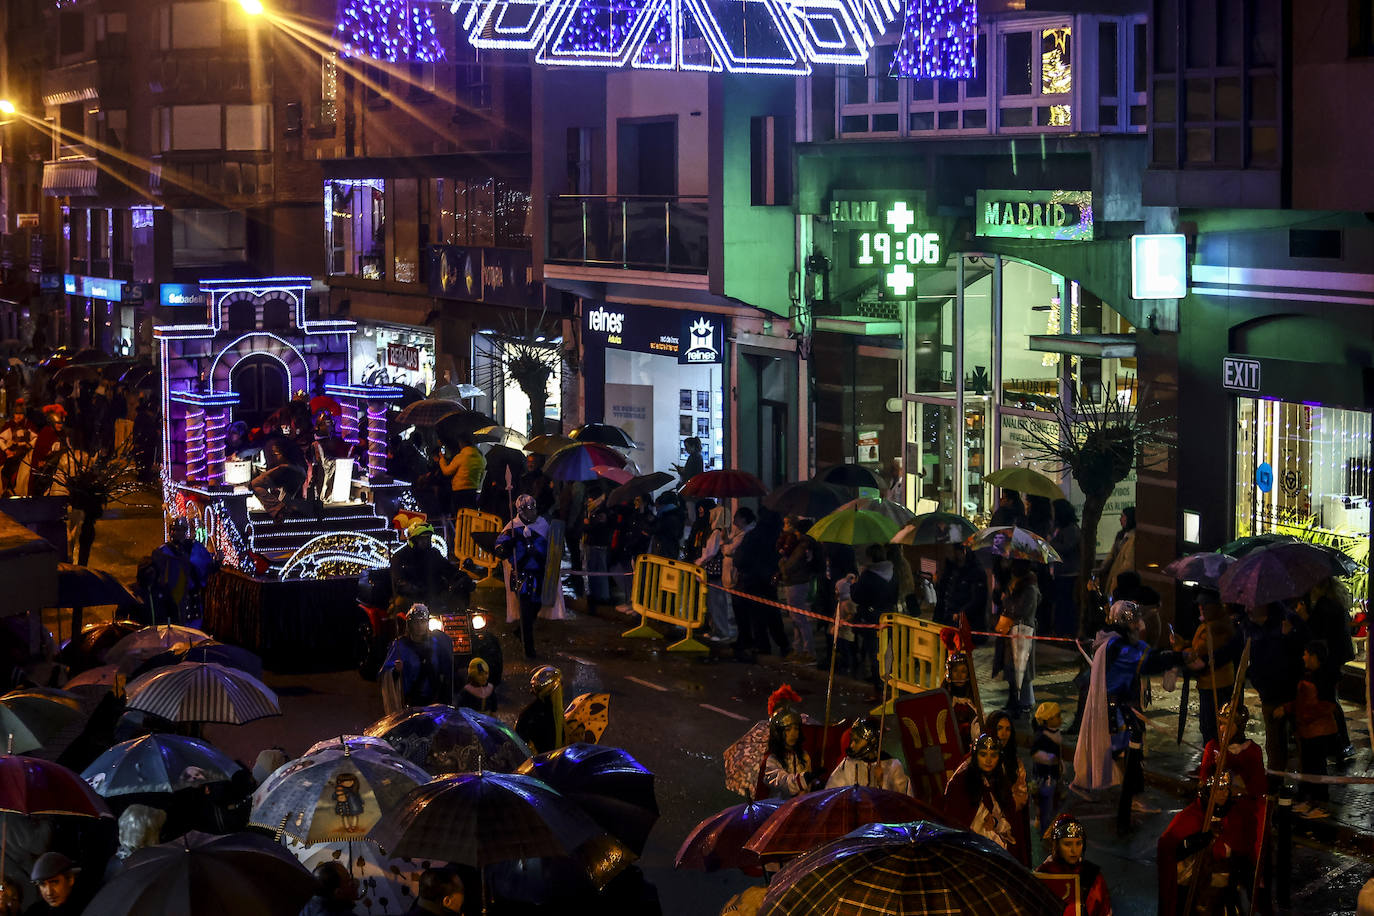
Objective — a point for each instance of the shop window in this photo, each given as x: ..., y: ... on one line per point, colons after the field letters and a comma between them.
x: 1034, y: 301
x: 355, y: 227
x: 1016, y: 63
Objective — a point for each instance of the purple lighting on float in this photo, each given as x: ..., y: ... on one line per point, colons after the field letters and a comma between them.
x: 389, y: 30
x: 939, y: 40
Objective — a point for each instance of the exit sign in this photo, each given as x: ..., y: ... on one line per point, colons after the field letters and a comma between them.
x: 1240, y: 374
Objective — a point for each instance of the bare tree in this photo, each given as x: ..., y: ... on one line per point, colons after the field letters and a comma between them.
x: 1099, y: 444
x: 93, y: 481
x: 524, y: 355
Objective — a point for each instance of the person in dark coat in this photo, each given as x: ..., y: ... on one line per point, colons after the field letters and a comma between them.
x: 693, y: 465
x: 756, y: 560
x: 1277, y: 637
x: 421, y: 573
x: 423, y: 660
x: 1327, y: 611
x: 1010, y: 510
x: 336, y: 891
x: 874, y: 593
x: 963, y: 589
x: 442, y: 892
x: 55, y: 877
x: 541, y: 722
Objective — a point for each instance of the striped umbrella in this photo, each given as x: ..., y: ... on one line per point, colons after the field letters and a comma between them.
x: 158, y: 763
x: 203, y: 692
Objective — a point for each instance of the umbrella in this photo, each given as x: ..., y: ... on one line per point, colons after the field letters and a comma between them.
x: 852, y: 475
x: 153, y: 640
x: 642, y: 485
x: 586, y: 717
x: 906, y: 869
x: 615, y: 475
x: 30, y: 718
x: 1200, y: 568
x: 604, y: 433
x: 451, y: 392
x: 208, y: 650
x: 461, y: 425
x: 718, y: 841
x: 1241, y: 546
x: 1338, y: 561
x: 744, y: 760
x: 99, y: 676
x: 548, y: 444
x: 853, y: 527
x: 570, y: 881
x: 442, y: 739
x: 354, y: 742
x: 578, y: 461
x: 936, y: 528
x: 82, y: 586
x: 333, y: 794
x: 803, y: 823
x: 157, y: 763
x: 724, y: 485
x: 427, y: 412
x: 809, y: 499
x: 385, y: 885
x: 238, y: 874
x: 482, y: 818
x: 32, y: 786
x: 606, y: 782
x: 203, y: 692
x: 1026, y: 481
x: 502, y: 435
x: 89, y: 647
x: 1015, y: 544
x: 885, y: 507
x: 1274, y: 574
x: 325, y: 402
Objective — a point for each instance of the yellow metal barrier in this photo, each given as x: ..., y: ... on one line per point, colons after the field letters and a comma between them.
x: 672, y: 592
x: 467, y: 523
x: 917, y: 662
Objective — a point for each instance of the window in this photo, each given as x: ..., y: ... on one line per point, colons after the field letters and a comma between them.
x: 71, y: 33
x: 247, y: 127
x: 208, y: 236
x: 472, y: 79
x: 195, y: 127
x: 1016, y: 63
x: 490, y: 213
x: 355, y: 227
x: 191, y: 25
x: 1361, y: 28
x: 326, y: 106
x: 769, y: 154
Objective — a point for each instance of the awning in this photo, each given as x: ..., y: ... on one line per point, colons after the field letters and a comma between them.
x: 652, y: 294
x: 1097, y: 346
x: 70, y: 178
x: 860, y: 326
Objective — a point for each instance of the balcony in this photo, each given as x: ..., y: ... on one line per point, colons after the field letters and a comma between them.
x: 667, y: 234
x: 104, y: 79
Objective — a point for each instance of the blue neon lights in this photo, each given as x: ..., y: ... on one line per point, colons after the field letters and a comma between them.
x: 939, y: 40
x: 389, y: 30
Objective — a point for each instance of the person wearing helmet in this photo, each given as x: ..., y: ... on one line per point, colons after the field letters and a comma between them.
x: 1068, y: 841
x: 478, y: 693
x: 524, y: 543
x: 1111, y: 744
x: 1219, y: 858
x: 958, y: 683
x: 420, y: 662
x: 420, y: 572
x: 787, y: 768
x: 865, y: 765
x: 978, y: 798
x: 541, y: 722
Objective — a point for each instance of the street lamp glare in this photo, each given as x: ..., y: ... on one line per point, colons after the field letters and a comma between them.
x: 7, y: 107
x: 252, y: 7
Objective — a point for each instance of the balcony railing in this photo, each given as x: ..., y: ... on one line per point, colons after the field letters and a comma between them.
x: 669, y: 234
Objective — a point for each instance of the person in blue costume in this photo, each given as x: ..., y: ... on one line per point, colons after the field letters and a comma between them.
x: 422, y: 660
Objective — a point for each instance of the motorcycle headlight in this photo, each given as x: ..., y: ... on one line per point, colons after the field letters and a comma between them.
x: 478, y: 621
x: 436, y: 623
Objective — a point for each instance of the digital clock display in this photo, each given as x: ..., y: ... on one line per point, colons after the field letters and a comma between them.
x: 895, y: 246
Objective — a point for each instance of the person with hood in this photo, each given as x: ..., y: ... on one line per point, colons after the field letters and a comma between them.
x: 1277, y: 637
x: 419, y: 662
x: 796, y: 576
x: 874, y: 594
x: 712, y: 559
x: 700, y: 531
x: 865, y: 765
x: 478, y: 693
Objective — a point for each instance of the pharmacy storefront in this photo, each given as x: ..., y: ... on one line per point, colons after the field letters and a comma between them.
x: 659, y: 374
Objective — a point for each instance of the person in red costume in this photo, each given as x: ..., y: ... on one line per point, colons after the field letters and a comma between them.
x: 978, y: 798
x: 1068, y: 842
x: 1237, y: 828
x: 47, y: 449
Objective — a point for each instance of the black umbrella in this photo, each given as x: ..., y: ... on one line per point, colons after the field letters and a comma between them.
x: 482, y: 818
x: 207, y: 651
x: 607, y: 783
x: 809, y: 499
x: 639, y: 486
x: 240, y: 873
x: 83, y: 586
x: 604, y: 433
x: 409, y: 395
x: 87, y: 649
x: 462, y: 424
x: 852, y: 475
x: 442, y: 739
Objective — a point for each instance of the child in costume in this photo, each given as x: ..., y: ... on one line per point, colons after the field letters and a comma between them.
x: 865, y: 765
x: 787, y: 768
x: 1068, y: 842
x: 478, y: 693
x: 1047, y: 762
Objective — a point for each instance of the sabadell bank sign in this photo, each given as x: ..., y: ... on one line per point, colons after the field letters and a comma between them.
x: 695, y: 338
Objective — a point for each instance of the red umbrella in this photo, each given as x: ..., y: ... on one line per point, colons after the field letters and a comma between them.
x: 718, y: 841
x: 724, y: 485
x: 325, y: 402
x: 32, y: 786
x: 809, y: 821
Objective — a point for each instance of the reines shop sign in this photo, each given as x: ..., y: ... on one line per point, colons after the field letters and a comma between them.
x: 696, y: 338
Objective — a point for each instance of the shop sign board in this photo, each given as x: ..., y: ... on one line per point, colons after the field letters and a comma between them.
x: 507, y: 276
x: 1159, y: 266
x: 1065, y: 216
x: 1240, y: 374
x: 887, y: 232
x: 705, y: 340
x: 695, y: 338
x: 403, y: 357
x: 93, y: 287
x: 50, y: 283
x: 181, y: 294
x: 1264, y: 477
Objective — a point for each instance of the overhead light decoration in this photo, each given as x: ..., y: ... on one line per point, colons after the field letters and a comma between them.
x: 733, y: 36
x: 939, y: 40
x: 388, y: 30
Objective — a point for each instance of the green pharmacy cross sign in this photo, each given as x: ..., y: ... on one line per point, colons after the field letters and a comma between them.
x: 895, y: 247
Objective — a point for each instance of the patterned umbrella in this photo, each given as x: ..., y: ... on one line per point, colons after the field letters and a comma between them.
x: 157, y: 763
x: 354, y: 742
x: 852, y: 475
x: 884, y: 507
x: 203, y: 692
x: 1026, y: 481
x: 604, y: 433
x: 906, y: 869
x: 333, y: 794
x: 385, y: 885
x: 1273, y: 574
x: 150, y: 641
x: 810, y: 499
x: 30, y: 718
x: 442, y: 739
x: 607, y: 783
x: 547, y: 444
x: 718, y: 841
x: 724, y: 485
x: 744, y: 759
x: 803, y: 823
x: 428, y: 412
x: 32, y: 786
x: 853, y: 527
x: 1200, y: 568
x: 482, y: 818
x: 579, y: 461
x: 586, y: 717
x: 239, y: 874
x: 1014, y: 543
x: 936, y: 528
